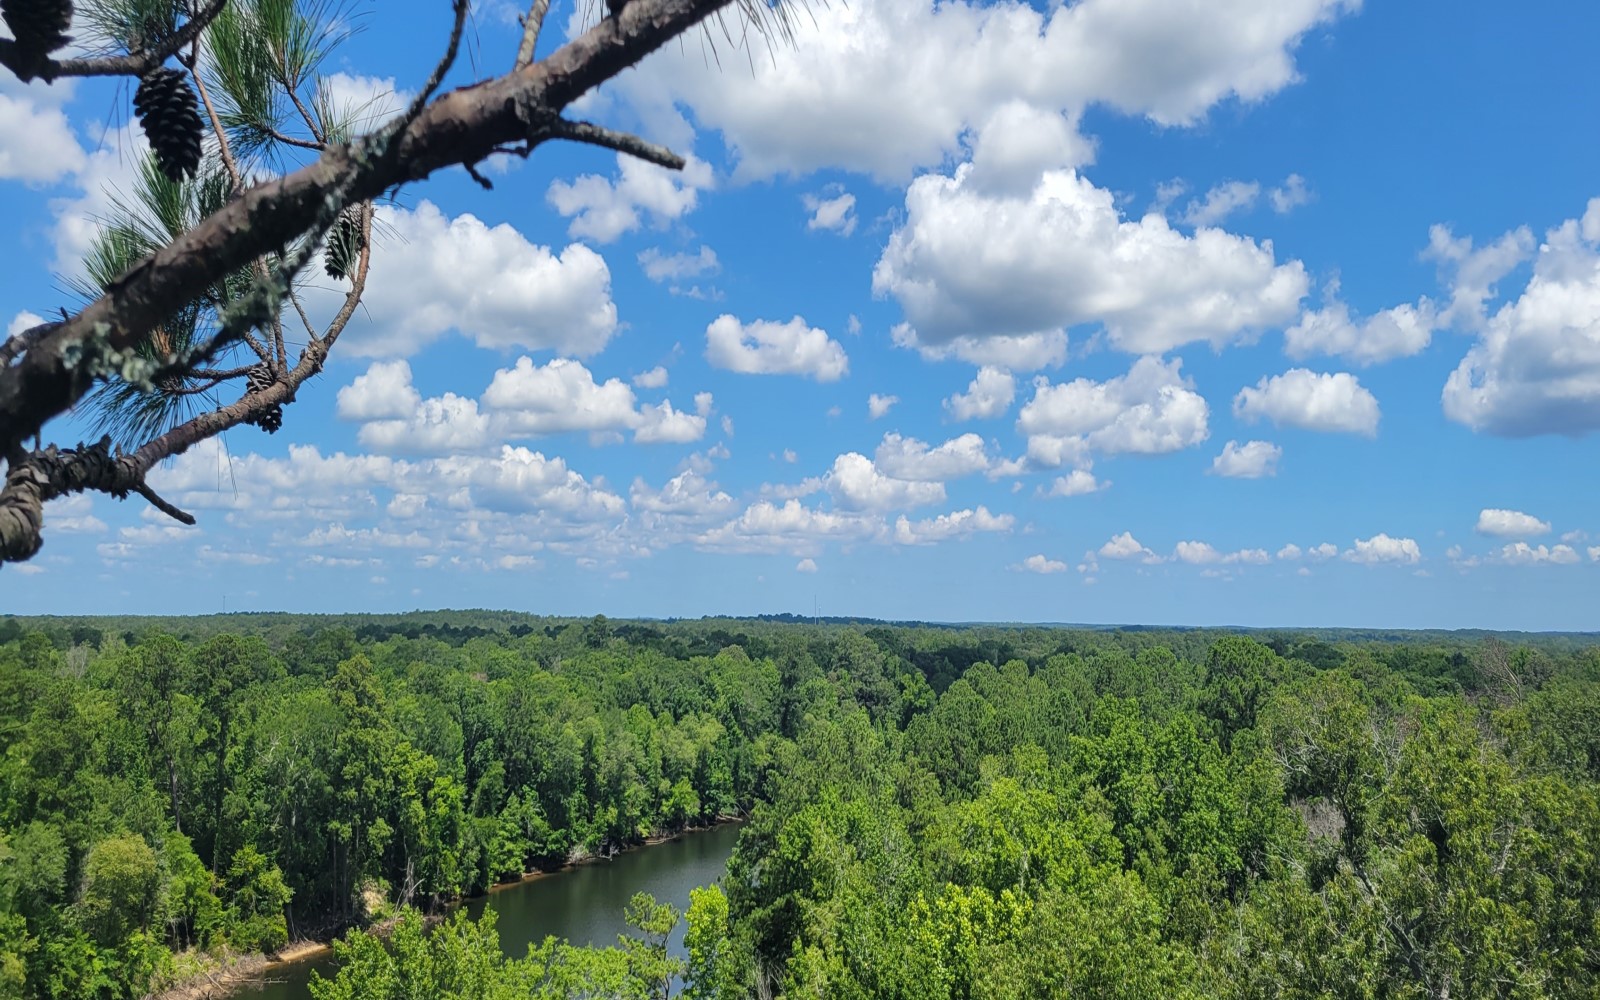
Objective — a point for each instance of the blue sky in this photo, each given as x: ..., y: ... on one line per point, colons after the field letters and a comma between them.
x: 1260, y: 312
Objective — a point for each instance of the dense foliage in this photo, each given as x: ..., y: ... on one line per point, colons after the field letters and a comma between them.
x: 935, y: 813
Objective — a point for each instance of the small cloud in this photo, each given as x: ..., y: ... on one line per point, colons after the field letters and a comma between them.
x: 1040, y: 564
x: 1290, y: 196
x: 1078, y: 482
x: 655, y: 378
x: 878, y: 405
x: 1222, y: 201
x: 1125, y: 546
x: 1251, y: 460
x: 806, y: 566
x: 659, y: 267
x: 1289, y: 552
x: 1523, y: 554
x: 836, y: 214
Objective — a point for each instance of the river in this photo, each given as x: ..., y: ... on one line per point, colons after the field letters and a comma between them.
x: 583, y: 904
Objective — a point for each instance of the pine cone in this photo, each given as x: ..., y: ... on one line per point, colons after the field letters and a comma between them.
x: 171, y: 120
x: 39, y: 26
x: 345, y: 243
x: 258, y: 379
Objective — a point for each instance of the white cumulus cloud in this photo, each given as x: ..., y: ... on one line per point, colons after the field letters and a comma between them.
x: 857, y: 484
x: 1510, y: 523
x: 836, y: 214
x: 1151, y: 410
x: 1312, y: 400
x: 431, y: 274
x: 1398, y: 332
x: 1251, y: 460
x: 1535, y: 368
x: 966, y: 263
x: 989, y: 395
x: 602, y: 209
x: 1380, y: 548
x: 909, y: 458
x: 1523, y: 554
x: 1040, y: 564
x: 1125, y: 546
x: 768, y: 348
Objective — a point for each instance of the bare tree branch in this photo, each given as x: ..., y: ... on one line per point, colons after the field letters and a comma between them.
x: 163, y: 506
x: 530, y: 32
x: 622, y: 142
x: 28, y: 66
x: 19, y: 343
x: 235, y: 178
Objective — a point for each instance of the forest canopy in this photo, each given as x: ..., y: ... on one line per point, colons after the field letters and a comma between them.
x: 931, y: 812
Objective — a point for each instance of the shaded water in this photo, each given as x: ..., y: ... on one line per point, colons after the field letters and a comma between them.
x: 583, y: 905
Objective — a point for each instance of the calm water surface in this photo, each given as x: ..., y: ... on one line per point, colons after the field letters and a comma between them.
x: 583, y: 905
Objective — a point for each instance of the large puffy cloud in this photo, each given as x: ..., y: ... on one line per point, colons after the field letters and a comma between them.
x: 383, y: 392
x: 1315, y: 401
x: 767, y: 348
x: 909, y: 458
x: 1151, y: 410
x: 431, y: 274
x: 559, y: 396
x: 857, y: 484
x: 1536, y: 366
x: 1510, y: 523
x: 444, y: 425
x: 603, y: 209
x: 970, y: 264
x: 887, y: 86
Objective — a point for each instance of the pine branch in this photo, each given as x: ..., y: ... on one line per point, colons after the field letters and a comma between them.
x: 28, y: 66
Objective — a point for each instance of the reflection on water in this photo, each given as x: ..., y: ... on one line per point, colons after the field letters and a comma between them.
x: 583, y: 905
